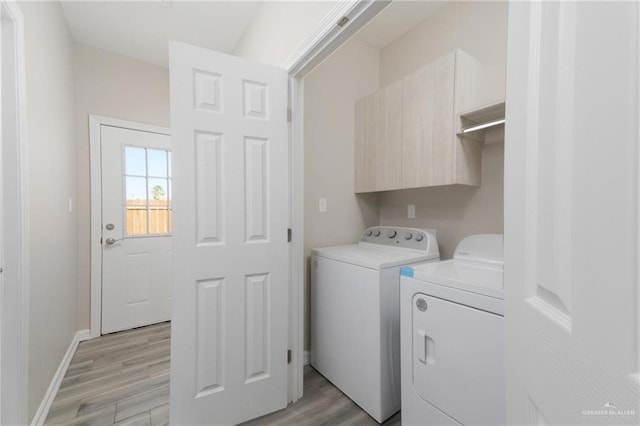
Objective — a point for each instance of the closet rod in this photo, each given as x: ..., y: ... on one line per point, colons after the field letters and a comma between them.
x: 483, y: 126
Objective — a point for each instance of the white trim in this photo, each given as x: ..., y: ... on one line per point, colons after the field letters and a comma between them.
x: 50, y: 394
x: 323, y: 40
x: 15, y: 204
x: 95, y: 122
x: 328, y: 36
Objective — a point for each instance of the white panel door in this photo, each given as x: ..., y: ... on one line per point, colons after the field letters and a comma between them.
x: 571, y: 214
x: 136, y: 228
x: 230, y: 150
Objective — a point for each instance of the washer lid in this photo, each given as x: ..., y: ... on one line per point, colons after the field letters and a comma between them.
x: 467, y: 276
x: 374, y: 256
x: 481, y: 248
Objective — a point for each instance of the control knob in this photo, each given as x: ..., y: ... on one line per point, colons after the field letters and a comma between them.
x: 419, y: 237
x: 391, y: 233
x: 408, y: 236
x: 376, y: 233
x: 368, y: 233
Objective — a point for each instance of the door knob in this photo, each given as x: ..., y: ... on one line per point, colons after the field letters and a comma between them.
x: 110, y: 241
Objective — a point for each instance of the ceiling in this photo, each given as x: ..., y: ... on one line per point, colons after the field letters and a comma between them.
x: 141, y: 29
x: 396, y: 20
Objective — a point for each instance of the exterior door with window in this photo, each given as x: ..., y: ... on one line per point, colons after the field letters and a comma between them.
x: 136, y: 228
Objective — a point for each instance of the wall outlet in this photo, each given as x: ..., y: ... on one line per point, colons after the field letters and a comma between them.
x: 411, y: 211
x: 322, y: 205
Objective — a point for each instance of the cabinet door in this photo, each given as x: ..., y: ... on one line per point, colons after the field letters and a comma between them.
x: 368, y: 131
x: 389, y: 143
x: 427, y: 125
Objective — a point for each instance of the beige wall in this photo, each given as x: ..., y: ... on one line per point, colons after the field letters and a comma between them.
x: 278, y: 28
x: 114, y: 86
x: 480, y: 29
x: 52, y: 181
x: 330, y: 92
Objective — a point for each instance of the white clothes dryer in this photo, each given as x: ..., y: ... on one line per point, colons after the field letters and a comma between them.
x: 452, y: 337
x: 355, y: 313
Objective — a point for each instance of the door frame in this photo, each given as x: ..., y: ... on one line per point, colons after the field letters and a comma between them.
x: 14, y: 309
x: 342, y: 21
x: 95, y: 123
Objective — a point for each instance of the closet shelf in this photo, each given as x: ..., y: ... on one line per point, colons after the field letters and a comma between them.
x: 474, y: 123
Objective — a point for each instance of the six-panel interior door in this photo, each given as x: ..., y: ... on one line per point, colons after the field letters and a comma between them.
x: 136, y: 228
x: 571, y: 214
x: 230, y: 150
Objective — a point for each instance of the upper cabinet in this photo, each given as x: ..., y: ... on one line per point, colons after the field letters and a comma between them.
x: 406, y: 133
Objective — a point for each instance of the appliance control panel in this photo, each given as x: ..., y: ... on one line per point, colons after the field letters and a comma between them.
x: 395, y: 236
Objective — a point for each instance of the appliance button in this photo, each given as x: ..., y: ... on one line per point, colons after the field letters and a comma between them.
x: 376, y: 233
x: 391, y: 233
x: 408, y: 236
x: 419, y: 237
x: 368, y: 233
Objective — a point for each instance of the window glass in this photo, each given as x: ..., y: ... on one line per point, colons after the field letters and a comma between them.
x: 158, y: 191
x: 147, y: 182
x: 158, y: 220
x: 157, y: 163
x: 136, y: 190
x: 135, y: 161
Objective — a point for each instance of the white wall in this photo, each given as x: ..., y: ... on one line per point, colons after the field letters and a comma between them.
x: 52, y: 180
x: 278, y: 28
x: 480, y: 29
x: 330, y: 92
x: 114, y: 86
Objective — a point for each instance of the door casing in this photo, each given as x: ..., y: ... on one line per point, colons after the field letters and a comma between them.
x: 95, y: 122
x: 14, y: 311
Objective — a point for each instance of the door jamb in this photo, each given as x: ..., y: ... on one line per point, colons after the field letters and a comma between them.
x: 15, y: 216
x: 344, y: 20
x: 95, y: 123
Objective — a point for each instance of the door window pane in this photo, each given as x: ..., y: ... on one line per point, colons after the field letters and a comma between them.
x: 157, y: 164
x: 135, y: 161
x: 147, y: 191
x: 158, y: 192
x: 158, y: 220
x: 136, y: 191
x: 137, y: 220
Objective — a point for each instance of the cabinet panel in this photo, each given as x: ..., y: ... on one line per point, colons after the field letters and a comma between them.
x: 366, y: 137
x: 406, y: 133
x: 427, y: 125
x: 389, y: 142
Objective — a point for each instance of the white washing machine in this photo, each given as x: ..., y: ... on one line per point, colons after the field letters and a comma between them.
x: 355, y: 313
x: 452, y: 337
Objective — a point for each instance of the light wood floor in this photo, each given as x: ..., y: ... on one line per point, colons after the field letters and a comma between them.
x: 123, y: 378
x: 120, y: 378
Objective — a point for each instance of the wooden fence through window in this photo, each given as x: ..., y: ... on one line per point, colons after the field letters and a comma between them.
x: 157, y: 215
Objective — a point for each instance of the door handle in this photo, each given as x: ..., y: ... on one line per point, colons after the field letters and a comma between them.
x: 426, y: 348
x: 111, y: 241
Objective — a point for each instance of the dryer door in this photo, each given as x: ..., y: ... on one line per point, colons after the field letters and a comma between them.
x: 458, y: 360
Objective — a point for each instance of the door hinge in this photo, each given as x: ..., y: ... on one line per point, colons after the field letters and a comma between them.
x: 289, y: 234
x: 288, y: 115
x: 343, y: 21
x: 288, y: 356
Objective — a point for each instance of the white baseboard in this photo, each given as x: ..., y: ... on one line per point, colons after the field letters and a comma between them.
x: 50, y: 394
x: 305, y: 358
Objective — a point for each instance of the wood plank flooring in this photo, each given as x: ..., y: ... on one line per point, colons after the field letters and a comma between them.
x: 120, y: 378
x: 123, y: 379
x: 321, y: 405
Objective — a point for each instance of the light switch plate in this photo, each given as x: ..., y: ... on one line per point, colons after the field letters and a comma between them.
x: 322, y: 205
x: 411, y: 211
